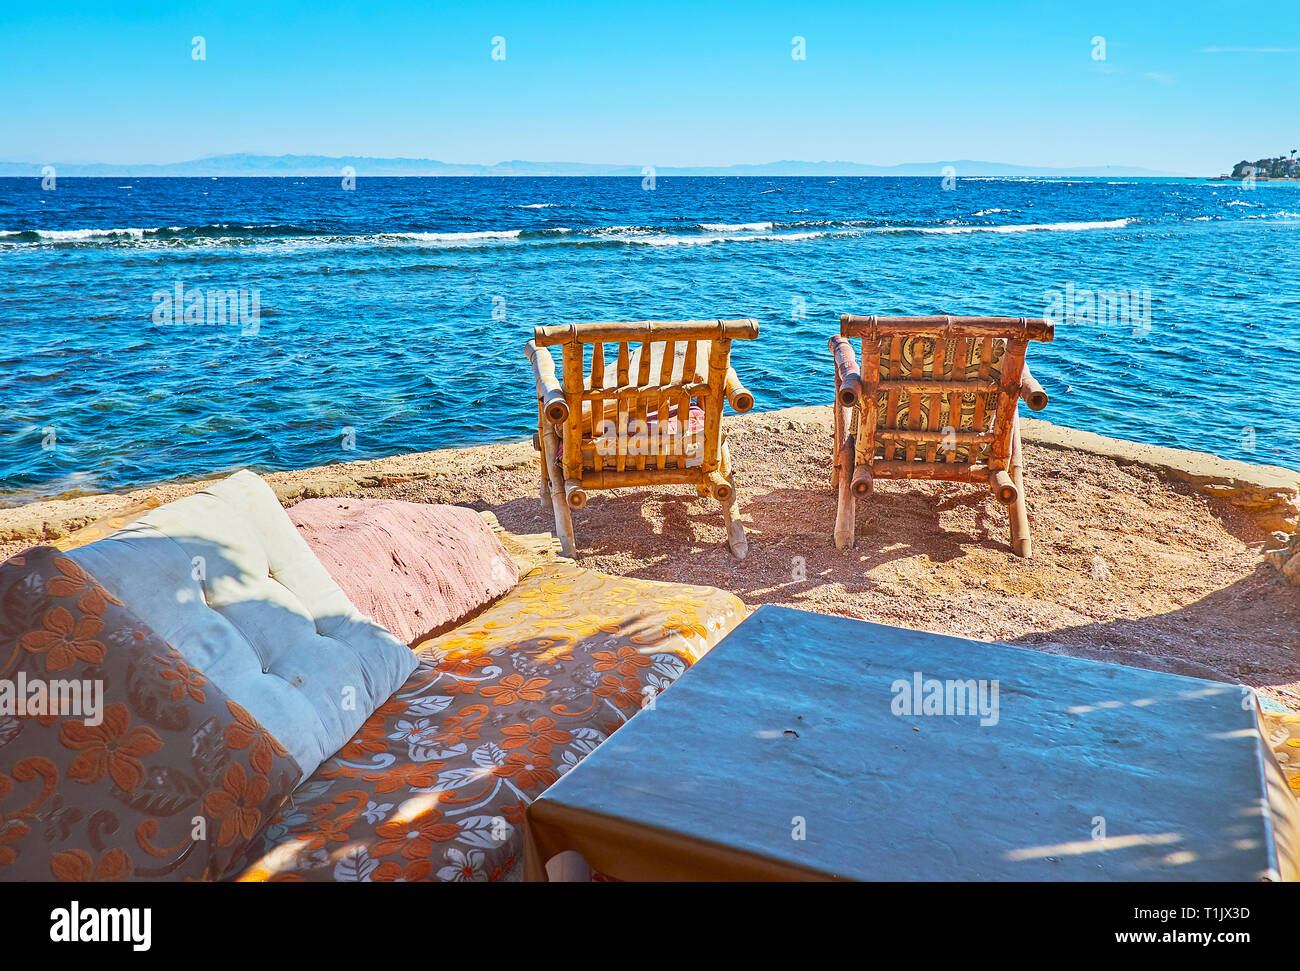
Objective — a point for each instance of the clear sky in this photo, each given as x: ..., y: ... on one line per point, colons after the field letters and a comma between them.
x: 1188, y: 87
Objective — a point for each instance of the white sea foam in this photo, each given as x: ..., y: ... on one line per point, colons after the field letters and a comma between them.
x: 453, y: 238
x: 639, y: 235
x: 666, y: 240
x: 540, y: 205
x: 1068, y: 227
x: 71, y: 235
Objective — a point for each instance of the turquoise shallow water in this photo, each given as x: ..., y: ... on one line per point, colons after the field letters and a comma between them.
x: 399, y: 310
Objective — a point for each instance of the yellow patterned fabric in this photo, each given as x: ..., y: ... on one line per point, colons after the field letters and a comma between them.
x: 1282, y: 730
x: 434, y: 785
x: 920, y: 350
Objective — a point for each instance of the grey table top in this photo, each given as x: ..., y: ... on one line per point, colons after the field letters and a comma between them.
x: 799, y: 724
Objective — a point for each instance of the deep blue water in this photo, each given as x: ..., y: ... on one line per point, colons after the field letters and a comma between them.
x: 399, y: 309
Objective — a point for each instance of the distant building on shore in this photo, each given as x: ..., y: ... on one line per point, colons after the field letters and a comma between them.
x: 1281, y: 167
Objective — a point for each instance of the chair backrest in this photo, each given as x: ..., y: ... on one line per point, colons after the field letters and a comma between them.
x: 938, y: 394
x: 630, y: 389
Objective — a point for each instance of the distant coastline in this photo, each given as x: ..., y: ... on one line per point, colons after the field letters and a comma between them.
x: 299, y: 166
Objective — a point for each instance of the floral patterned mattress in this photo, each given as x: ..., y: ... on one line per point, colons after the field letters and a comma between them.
x: 434, y: 785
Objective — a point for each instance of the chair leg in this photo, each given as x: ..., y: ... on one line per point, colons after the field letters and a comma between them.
x: 838, y: 412
x: 553, y: 489
x: 1018, y: 511
x: 847, y: 506
x: 736, y: 540
x: 563, y: 523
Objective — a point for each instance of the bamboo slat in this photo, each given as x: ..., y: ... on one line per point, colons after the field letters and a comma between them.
x: 846, y: 504
x: 869, y: 419
x: 737, y: 394
x: 574, y: 493
x: 914, y: 398
x: 1020, y: 539
x: 1031, y: 392
x: 891, y: 389
x: 936, y: 373
x: 852, y: 325
x: 1013, y: 363
x: 623, y: 412
x: 719, y: 355
x: 719, y: 487
x: 986, y: 361
x: 943, y: 471
x: 925, y: 386
x: 554, y: 405
x: 572, y: 363
x: 638, y: 390
x: 647, y: 331
x: 1003, y: 487
x: 962, y: 354
x: 848, y: 379
x: 616, y: 479
x: 662, y: 428
x: 928, y: 436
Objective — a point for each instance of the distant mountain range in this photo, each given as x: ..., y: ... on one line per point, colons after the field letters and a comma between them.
x: 324, y: 165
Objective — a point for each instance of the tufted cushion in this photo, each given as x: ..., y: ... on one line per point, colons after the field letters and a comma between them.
x: 418, y: 569
x: 224, y: 577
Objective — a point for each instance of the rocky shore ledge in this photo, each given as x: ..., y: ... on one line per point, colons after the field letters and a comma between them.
x: 1143, y: 555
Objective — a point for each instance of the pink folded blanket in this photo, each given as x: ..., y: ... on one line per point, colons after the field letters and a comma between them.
x: 417, y: 569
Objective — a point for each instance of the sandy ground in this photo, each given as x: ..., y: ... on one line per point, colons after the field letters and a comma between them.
x: 1128, y: 566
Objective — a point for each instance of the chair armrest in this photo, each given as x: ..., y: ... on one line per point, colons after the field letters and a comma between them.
x: 549, y: 392
x: 1031, y: 391
x: 737, y: 394
x: 848, y: 378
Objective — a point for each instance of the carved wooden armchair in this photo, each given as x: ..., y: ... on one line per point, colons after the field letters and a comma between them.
x: 649, y: 415
x: 935, y: 398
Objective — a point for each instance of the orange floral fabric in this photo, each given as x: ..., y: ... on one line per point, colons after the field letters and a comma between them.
x: 170, y: 782
x: 434, y: 785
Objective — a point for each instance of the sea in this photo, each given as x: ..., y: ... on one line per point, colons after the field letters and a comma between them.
x: 159, y: 329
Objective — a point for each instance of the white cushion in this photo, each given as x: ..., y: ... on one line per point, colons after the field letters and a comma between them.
x: 225, y: 578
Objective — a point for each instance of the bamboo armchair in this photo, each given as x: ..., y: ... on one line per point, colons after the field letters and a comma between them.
x: 652, y: 415
x: 935, y: 398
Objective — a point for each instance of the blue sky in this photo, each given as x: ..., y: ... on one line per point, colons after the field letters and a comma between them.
x: 1189, y: 87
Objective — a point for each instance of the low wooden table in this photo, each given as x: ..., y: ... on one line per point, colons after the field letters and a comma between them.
x: 791, y: 751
